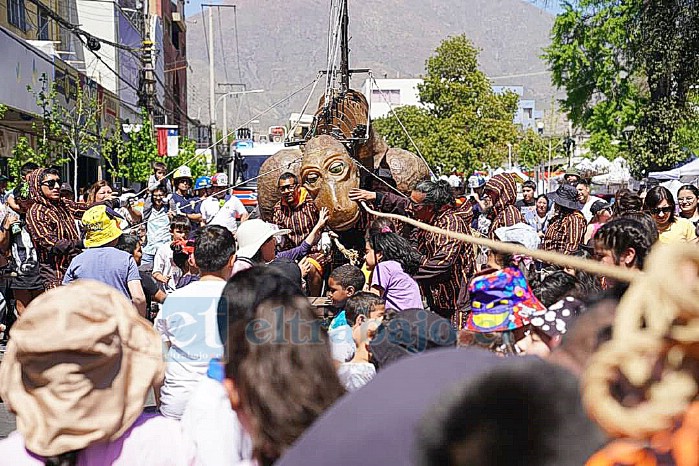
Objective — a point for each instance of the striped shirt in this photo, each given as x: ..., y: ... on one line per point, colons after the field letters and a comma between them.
x: 502, y: 189
x: 300, y: 219
x: 51, y: 225
x: 448, y: 264
x: 565, y: 233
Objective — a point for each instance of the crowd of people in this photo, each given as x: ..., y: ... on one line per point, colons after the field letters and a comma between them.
x: 181, y: 292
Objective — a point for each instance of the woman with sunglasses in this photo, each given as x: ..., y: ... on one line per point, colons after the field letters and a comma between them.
x: 660, y: 204
x: 688, y: 200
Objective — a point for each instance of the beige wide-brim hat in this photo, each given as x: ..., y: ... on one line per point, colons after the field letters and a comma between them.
x: 252, y: 234
x: 78, y: 367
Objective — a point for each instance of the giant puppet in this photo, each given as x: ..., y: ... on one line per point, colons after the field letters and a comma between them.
x: 341, y: 150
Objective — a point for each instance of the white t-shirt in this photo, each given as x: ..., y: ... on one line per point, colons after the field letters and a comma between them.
x: 187, y: 321
x: 214, y: 427
x: 354, y: 375
x: 209, y: 207
x: 586, y: 208
x: 342, y: 346
x: 164, y: 264
x: 226, y: 215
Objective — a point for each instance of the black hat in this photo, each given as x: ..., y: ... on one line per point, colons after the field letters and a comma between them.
x: 66, y: 187
x: 599, y: 206
x: 566, y: 196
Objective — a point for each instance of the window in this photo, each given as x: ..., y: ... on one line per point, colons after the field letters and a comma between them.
x: 43, y: 25
x: 175, y: 36
x: 16, y: 14
x: 528, y: 113
x: 391, y: 96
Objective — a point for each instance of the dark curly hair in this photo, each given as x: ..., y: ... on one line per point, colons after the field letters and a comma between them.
x: 437, y: 193
x: 626, y: 201
x: 394, y: 247
x: 624, y: 233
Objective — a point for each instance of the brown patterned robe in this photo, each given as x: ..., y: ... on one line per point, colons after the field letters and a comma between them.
x: 300, y: 219
x: 565, y: 233
x: 448, y: 264
x: 51, y: 225
x: 504, y: 213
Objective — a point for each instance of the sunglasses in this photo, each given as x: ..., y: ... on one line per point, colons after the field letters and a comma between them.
x: 659, y: 210
x: 51, y: 184
x: 288, y: 187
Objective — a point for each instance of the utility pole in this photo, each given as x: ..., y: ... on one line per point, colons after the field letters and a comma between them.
x: 225, y: 111
x: 148, y: 88
x: 344, y: 47
x: 212, y: 86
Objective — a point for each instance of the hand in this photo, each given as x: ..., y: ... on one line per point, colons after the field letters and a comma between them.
x: 244, y: 217
x: 305, y: 266
x: 322, y: 219
x: 10, y: 219
x: 171, y: 214
x: 357, y: 195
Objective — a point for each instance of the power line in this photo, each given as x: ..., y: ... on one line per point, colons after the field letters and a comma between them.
x: 237, y: 56
x: 174, y: 102
x: 223, y: 53
x: 75, y: 29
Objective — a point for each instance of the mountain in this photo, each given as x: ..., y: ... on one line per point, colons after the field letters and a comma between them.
x: 283, y: 45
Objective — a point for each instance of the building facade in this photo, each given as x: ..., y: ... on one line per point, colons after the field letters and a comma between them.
x: 38, y: 55
x: 171, y: 40
x: 394, y: 93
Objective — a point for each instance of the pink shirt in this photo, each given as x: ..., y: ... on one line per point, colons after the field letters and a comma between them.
x: 153, y: 440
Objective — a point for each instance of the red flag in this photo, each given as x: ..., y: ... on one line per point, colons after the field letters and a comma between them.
x: 162, y: 142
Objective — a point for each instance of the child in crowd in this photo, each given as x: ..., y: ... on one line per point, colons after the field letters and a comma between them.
x: 392, y: 261
x: 364, y: 305
x: 183, y: 257
x: 363, y: 312
x: 158, y: 178
x: 187, y: 321
x: 165, y: 271
x: 344, y: 282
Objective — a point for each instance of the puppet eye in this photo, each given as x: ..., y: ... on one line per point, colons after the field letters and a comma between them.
x: 311, y: 178
x: 336, y: 168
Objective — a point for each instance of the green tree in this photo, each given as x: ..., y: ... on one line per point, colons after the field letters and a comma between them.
x: 628, y: 63
x: 131, y: 157
x: 463, y: 123
x: 52, y: 144
x: 532, y: 149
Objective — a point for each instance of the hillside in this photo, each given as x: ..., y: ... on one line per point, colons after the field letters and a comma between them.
x: 283, y: 45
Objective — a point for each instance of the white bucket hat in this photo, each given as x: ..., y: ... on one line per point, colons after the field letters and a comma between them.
x: 252, y: 234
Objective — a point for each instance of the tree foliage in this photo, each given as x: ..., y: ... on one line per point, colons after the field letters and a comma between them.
x: 532, y: 149
x: 130, y: 157
x: 629, y: 64
x: 463, y: 123
x: 52, y: 144
x: 65, y: 132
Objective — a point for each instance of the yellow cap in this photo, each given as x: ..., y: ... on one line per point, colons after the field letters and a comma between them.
x: 100, y: 227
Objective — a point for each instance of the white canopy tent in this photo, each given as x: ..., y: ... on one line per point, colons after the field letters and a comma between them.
x: 686, y: 173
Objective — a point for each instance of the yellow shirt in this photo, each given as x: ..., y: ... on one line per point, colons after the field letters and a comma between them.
x: 682, y: 230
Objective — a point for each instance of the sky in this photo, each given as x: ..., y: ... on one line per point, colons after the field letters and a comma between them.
x: 193, y: 7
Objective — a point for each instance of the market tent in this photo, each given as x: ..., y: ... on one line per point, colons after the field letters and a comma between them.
x: 686, y: 173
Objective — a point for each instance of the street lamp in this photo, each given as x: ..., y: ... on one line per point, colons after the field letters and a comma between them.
x: 225, y: 109
x: 628, y: 134
x: 509, y: 154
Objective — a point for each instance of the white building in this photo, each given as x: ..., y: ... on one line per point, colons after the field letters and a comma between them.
x: 396, y: 92
x: 399, y: 92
